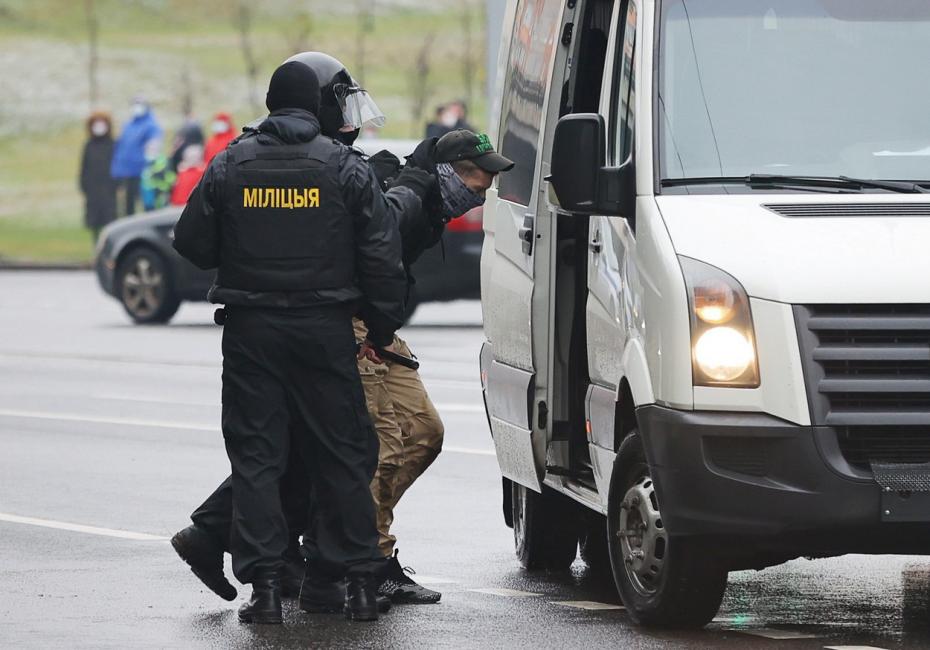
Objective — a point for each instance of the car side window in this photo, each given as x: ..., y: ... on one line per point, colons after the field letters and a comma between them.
x: 623, y: 101
x: 529, y: 70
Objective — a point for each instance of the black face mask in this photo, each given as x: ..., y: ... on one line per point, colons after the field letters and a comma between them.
x: 347, y: 137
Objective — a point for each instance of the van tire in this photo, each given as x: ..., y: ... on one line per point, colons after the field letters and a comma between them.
x: 663, y: 581
x: 545, y: 529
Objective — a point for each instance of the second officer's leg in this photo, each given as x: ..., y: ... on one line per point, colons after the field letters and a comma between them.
x: 326, y: 390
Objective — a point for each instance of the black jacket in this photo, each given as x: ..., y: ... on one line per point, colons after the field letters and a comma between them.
x: 380, y: 284
x: 98, y: 187
x: 422, y: 229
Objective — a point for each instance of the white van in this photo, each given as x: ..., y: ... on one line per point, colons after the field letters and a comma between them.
x: 706, y: 288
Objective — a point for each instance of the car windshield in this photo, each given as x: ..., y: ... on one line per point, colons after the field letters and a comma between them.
x: 794, y: 87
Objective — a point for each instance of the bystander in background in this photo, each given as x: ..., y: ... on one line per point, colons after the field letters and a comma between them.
x: 189, y: 134
x: 224, y: 132
x: 449, y: 117
x: 190, y: 170
x: 97, y: 185
x: 141, y: 134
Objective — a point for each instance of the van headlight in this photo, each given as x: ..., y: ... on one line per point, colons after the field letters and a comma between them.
x: 723, y: 349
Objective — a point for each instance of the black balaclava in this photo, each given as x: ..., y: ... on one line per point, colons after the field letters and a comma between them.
x: 332, y: 121
x: 293, y: 85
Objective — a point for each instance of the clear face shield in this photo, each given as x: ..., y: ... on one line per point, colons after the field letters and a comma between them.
x: 358, y: 108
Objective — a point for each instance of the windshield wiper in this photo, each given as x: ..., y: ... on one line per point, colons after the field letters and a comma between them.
x: 785, y: 181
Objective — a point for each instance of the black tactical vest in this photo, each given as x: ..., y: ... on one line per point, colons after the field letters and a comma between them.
x: 284, y: 225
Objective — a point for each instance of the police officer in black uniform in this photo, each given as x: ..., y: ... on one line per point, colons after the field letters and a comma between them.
x: 302, y: 238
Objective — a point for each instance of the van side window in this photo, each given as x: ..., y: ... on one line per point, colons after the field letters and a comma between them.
x: 581, y: 92
x: 623, y: 101
x: 536, y: 33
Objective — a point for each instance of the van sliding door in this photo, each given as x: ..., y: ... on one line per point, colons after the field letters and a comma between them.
x: 513, y: 243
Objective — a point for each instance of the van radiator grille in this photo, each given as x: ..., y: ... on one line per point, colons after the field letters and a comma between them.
x: 847, y: 210
x: 867, y: 370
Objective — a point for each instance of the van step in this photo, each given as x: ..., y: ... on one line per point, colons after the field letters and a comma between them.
x: 583, y: 474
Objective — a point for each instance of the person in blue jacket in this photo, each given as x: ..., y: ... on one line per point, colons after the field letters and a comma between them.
x: 140, y: 133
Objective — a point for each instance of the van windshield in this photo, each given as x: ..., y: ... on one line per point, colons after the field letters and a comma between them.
x: 821, y: 88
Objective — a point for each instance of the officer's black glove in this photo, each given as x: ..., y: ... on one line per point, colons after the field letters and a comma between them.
x: 386, y: 167
x: 421, y: 182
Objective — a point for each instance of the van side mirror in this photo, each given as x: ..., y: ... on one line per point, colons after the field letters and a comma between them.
x: 580, y: 178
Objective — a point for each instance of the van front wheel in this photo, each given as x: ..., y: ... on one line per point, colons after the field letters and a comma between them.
x: 545, y: 530
x: 664, y: 581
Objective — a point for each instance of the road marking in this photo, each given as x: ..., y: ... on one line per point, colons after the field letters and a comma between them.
x: 778, y: 635
x: 80, y: 528
x: 135, y: 422
x: 434, y: 580
x: 163, y: 424
x: 851, y: 647
x: 506, y: 593
x: 470, y: 451
x: 587, y: 604
x: 154, y: 400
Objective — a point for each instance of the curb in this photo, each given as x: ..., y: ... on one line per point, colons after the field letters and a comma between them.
x: 40, y: 266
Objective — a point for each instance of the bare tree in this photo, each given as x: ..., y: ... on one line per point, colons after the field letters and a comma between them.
x: 243, y: 23
x: 93, y: 37
x: 419, y: 85
x: 365, y: 20
x: 468, y: 51
x: 297, y: 34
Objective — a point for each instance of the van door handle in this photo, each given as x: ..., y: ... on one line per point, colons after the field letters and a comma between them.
x: 595, y: 244
x: 526, y: 234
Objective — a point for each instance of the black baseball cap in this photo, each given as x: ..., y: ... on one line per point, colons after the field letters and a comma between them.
x: 476, y: 147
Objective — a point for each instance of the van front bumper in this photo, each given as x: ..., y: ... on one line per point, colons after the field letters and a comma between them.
x: 748, y: 474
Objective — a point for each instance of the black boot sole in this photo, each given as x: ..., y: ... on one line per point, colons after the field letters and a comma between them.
x: 217, y: 584
x: 267, y: 618
x: 384, y: 606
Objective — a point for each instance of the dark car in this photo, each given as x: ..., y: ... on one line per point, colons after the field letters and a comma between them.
x: 137, y: 265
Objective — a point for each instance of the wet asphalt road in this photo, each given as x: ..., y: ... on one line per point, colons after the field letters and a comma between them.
x: 109, y: 437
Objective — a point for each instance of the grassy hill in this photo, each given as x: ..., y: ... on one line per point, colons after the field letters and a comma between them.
x: 410, y: 54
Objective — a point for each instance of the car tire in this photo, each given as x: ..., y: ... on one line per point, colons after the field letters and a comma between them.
x: 144, y: 287
x: 663, y: 581
x: 592, y: 543
x: 545, y: 530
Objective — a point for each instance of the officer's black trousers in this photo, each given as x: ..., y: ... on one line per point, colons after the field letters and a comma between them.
x: 290, y: 376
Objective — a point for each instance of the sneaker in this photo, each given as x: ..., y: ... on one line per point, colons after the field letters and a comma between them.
x: 400, y: 588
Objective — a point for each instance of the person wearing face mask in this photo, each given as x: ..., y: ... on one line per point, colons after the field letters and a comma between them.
x: 224, y: 132
x: 142, y: 134
x: 304, y: 239
x: 96, y: 183
x: 410, y: 431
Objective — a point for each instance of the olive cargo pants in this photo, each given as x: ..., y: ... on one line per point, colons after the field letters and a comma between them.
x: 410, y: 432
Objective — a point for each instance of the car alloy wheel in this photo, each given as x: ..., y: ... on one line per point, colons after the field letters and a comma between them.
x: 143, y: 288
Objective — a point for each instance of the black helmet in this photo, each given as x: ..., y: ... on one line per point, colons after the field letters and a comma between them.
x: 344, y: 105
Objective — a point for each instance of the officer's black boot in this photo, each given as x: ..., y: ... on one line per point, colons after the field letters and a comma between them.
x: 320, y: 596
x: 361, y: 603
x: 265, y: 604
x: 292, y: 574
x: 205, y: 557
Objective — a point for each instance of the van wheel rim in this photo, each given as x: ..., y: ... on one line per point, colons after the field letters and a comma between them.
x: 142, y: 288
x: 642, y: 537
